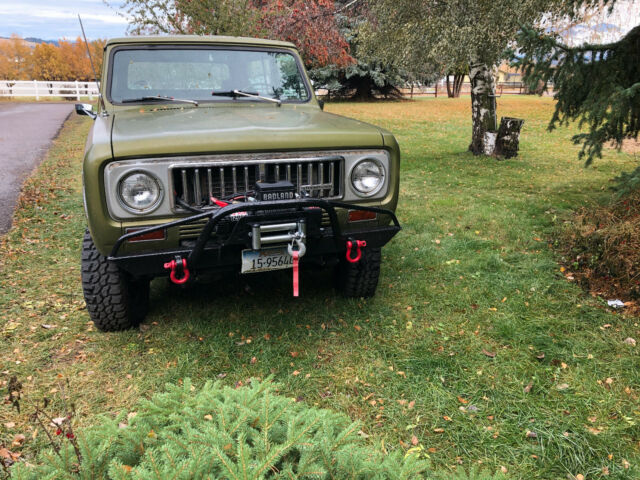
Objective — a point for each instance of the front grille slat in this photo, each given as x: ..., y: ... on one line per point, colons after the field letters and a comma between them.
x: 234, y: 176
x: 196, y: 185
x: 209, y: 186
x: 185, y: 190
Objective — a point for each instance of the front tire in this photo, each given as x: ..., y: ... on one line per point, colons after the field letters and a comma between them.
x: 114, y: 300
x: 357, y: 280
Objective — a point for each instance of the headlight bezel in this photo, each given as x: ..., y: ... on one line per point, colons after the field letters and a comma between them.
x: 136, y: 211
x: 381, y: 183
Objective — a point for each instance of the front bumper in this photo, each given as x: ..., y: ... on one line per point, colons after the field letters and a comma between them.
x: 228, y: 231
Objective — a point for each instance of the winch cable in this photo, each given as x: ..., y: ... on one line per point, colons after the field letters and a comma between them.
x: 186, y: 206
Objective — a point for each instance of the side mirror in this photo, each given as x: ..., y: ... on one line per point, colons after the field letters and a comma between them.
x: 85, y: 109
x: 321, y: 103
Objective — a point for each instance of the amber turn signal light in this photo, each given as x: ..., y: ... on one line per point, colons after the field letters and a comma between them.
x: 361, y: 215
x: 157, y: 235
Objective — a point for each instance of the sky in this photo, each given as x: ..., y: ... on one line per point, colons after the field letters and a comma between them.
x: 55, y: 19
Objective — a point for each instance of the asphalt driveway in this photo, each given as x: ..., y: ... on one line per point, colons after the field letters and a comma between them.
x: 26, y: 132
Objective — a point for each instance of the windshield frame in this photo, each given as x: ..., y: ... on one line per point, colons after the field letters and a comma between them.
x: 209, y: 46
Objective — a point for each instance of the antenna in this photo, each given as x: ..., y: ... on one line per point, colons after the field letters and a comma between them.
x: 95, y: 76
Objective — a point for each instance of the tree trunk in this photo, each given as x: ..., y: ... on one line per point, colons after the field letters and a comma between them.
x: 449, y: 91
x: 364, y: 90
x: 508, y: 141
x: 457, y: 84
x: 483, y: 110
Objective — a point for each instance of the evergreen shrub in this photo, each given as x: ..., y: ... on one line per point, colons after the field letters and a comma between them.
x: 219, y: 432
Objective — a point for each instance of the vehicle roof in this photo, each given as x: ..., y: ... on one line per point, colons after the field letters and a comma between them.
x: 198, y: 39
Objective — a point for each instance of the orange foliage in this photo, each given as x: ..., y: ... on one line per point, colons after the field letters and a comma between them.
x: 20, y: 60
x: 311, y: 26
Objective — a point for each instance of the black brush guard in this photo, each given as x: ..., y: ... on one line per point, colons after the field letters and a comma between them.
x: 210, y: 253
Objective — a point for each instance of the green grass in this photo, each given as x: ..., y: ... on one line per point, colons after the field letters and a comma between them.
x: 472, y: 271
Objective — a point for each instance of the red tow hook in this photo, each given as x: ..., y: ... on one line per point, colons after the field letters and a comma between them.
x: 174, y: 265
x: 359, y: 245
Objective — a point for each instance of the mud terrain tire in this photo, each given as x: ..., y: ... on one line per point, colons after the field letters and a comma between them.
x: 114, y: 300
x: 357, y: 280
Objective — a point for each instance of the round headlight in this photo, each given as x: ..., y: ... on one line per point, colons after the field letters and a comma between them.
x: 139, y: 192
x: 367, y: 177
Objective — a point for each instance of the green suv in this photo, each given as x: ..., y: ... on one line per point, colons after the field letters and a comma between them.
x: 213, y: 154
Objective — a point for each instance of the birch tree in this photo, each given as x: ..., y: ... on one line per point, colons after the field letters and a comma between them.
x: 453, y: 33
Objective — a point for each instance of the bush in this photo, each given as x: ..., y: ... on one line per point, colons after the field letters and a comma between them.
x: 602, y: 245
x: 223, y: 433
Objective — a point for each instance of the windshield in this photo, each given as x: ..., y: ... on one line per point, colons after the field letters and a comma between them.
x: 205, y: 74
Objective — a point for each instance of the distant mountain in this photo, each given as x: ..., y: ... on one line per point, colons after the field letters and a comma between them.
x: 39, y: 40
x: 32, y: 40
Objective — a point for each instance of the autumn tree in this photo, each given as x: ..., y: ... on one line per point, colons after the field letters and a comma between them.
x: 75, y: 56
x: 67, y: 61
x: 15, y: 57
x: 47, y: 63
x: 309, y: 24
x: 455, y: 33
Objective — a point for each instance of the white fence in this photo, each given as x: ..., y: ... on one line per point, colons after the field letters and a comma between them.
x: 42, y: 89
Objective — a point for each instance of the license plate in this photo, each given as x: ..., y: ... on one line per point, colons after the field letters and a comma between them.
x: 265, y: 260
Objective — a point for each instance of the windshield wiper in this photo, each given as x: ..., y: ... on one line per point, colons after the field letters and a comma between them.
x: 158, y: 97
x: 240, y: 93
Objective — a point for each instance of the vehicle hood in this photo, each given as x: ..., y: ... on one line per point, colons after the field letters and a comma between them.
x: 154, y: 131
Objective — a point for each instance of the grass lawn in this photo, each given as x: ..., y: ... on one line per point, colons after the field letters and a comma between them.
x: 476, y: 344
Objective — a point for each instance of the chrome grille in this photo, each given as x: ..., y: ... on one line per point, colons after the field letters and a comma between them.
x: 317, y: 178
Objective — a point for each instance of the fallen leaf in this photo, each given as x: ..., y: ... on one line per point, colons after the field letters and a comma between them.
x: 438, y: 430
x: 503, y: 469
x: 414, y: 440
x: 531, y: 434
x: 412, y: 404
x: 562, y: 386
x: 253, y: 360
x: 528, y: 388
x: 109, y: 390
x: 10, y: 425
x: 463, y: 401
x: 294, y: 354
x: 6, y: 454
x: 357, y: 327
x: 127, y: 468
x: 448, y: 419
x: 630, y: 341
x: 540, y: 356
x: 579, y: 477
x: 489, y: 354
x: 18, y: 440
x: 296, y: 373
x: 208, y: 417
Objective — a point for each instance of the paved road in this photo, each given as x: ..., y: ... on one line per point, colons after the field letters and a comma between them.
x: 26, y: 132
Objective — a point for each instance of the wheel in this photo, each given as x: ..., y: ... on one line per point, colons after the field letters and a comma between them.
x: 360, y: 279
x: 114, y: 300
